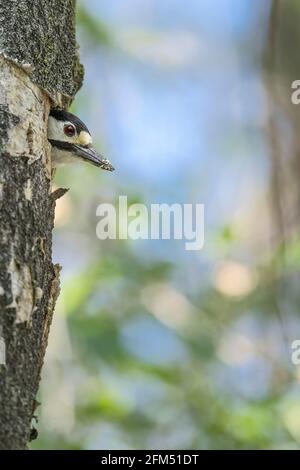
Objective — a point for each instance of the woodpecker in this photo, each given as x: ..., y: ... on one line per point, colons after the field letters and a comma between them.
x: 71, y: 141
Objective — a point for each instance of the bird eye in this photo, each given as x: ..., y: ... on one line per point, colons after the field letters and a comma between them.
x: 69, y: 130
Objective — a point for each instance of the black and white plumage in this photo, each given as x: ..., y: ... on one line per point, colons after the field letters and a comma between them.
x: 71, y: 141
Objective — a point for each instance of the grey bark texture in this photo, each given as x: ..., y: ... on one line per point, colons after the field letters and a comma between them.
x: 39, y: 68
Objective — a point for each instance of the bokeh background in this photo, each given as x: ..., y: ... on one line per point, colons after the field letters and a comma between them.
x: 153, y: 346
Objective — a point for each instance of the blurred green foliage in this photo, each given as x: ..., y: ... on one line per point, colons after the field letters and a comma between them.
x: 96, y: 33
x: 138, y: 362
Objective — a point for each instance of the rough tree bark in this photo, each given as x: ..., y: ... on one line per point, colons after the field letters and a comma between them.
x: 39, y: 68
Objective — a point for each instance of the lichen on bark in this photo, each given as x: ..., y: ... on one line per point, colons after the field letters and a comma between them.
x: 39, y: 68
x: 40, y: 37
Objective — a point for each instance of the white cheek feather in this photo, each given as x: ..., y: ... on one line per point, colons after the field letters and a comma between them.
x: 56, y: 130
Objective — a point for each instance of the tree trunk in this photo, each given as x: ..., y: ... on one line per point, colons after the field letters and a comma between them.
x: 39, y: 68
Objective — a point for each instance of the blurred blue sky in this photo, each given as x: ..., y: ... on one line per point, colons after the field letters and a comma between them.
x: 177, y: 104
x: 184, y: 126
x: 176, y: 101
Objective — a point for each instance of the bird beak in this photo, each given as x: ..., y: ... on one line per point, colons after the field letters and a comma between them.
x: 90, y: 155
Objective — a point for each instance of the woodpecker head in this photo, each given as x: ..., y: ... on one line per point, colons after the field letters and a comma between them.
x: 71, y: 141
